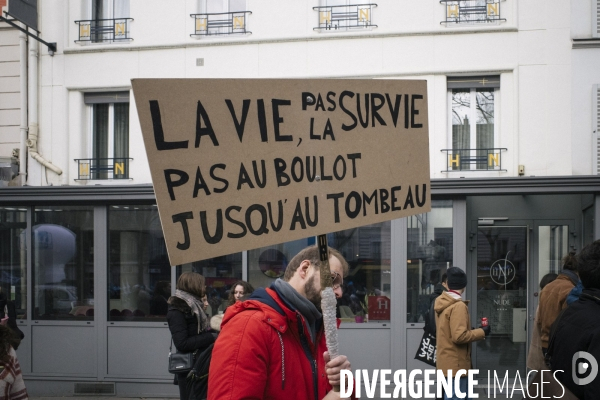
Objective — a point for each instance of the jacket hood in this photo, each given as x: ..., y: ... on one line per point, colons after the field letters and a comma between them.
x: 444, y: 301
x: 439, y: 289
x: 260, y: 300
x: 591, y: 294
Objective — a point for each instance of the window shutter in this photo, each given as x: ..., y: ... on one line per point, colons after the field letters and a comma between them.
x: 596, y: 18
x: 596, y: 127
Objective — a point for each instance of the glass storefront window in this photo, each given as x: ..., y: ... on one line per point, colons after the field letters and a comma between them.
x: 429, y: 253
x: 13, y: 257
x: 139, y: 274
x: 266, y: 264
x: 63, y: 262
x: 220, y: 273
x: 367, y: 287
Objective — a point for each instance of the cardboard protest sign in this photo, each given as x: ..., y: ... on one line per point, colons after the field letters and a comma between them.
x: 239, y: 164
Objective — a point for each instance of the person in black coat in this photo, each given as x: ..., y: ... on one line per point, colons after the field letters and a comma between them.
x: 577, y: 330
x: 189, y: 325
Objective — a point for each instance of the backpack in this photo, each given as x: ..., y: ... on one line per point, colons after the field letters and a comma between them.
x: 430, y: 326
x: 197, y: 378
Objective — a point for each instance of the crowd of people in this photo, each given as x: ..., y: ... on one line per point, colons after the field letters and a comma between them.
x: 257, y: 344
x: 566, y: 330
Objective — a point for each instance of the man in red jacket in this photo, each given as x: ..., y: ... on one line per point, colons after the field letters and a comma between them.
x: 272, y: 346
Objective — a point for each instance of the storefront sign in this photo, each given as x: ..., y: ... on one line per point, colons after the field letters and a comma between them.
x: 242, y: 164
x: 503, y: 271
x: 379, y: 308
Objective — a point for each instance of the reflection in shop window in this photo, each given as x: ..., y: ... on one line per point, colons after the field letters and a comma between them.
x: 429, y: 253
x: 266, y: 264
x: 13, y: 258
x: 220, y: 273
x: 63, y: 263
x: 366, y: 296
x: 139, y: 275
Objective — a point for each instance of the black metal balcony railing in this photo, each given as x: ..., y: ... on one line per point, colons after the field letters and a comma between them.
x: 102, y: 168
x: 472, y: 11
x: 345, y: 17
x: 220, y: 23
x: 474, y: 159
x: 104, y: 30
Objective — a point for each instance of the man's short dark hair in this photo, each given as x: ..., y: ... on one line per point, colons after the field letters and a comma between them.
x: 311, y: 253
x: 445, y: 278
x: 588, y: 265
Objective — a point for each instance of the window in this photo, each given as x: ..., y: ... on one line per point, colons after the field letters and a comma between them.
x: 222, y: 6
x: 472, y: 11
x: 596, y: 128
x: 221, y: 17
x: 63, y: 262
x: 344, y: 14
x: 367, y: 288
x: 139, y: 273
x: 473, y: 105
x: 220, y: 273
x: 429, y: 254
x: 13, y: 256
x: 109, y: 128
x: 109, y: 22
x: 266, y: 264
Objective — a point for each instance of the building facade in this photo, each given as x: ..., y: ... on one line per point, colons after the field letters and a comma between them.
x: 513, y: 117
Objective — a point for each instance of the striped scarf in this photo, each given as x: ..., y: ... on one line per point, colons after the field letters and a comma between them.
x: 196, y: 305
x: 12, y: 386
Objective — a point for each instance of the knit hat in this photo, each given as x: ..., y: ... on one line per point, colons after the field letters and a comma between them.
x: 457, y: 279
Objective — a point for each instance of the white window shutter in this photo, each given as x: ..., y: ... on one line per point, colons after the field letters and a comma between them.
x: 596, y: 128
x: 596, y: 18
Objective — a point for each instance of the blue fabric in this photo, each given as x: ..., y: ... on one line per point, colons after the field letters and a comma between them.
x: 464, y: 388
x: 575, y: 293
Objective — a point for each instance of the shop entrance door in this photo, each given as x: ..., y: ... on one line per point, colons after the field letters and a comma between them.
x: 510, y: 259
x: 501, y: 297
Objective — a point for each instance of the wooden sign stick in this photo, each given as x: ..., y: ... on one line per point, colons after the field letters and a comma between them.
x: 328, y: 302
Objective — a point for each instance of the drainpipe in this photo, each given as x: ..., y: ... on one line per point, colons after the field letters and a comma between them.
x: 23, y: 127
x: 33, y: 110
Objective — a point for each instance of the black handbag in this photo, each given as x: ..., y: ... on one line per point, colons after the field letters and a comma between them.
x: 180, y: 362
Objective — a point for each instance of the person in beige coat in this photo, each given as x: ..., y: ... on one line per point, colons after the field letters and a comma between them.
x: 454, y: 333
x: 553, y: 298
x: 535, y: 358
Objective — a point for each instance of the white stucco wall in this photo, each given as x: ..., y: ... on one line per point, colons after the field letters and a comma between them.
x: 541, y: 75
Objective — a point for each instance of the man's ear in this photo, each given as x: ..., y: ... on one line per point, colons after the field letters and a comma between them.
x: 304, y: 268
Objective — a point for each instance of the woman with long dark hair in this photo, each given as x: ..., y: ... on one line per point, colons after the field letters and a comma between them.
x: 239, y: 290
x: 189, y: 325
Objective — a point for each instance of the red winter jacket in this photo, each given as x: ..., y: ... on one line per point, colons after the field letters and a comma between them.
x: 264, y: 351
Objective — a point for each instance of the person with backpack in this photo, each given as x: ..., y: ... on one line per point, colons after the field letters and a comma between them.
x: 454, y: 333
x: 574, y: 346
x: 440, y: 288
x: 189, y: 325
x: 272, y: 346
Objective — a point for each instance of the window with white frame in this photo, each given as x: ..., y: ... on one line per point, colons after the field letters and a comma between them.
x: 109, y: 21
x: 596, y: 129
x: 221, y: 17
x: 222, y: 6
x: 344, y: 14
x: 109, y: 134
x: 473, y: 128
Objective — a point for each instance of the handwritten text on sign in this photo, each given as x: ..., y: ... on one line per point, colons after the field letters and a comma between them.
x: 241, y: 164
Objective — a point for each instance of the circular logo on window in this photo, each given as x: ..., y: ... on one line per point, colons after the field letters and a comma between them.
x: 502, y: 272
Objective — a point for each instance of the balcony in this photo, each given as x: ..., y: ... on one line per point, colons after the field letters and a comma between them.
x: 356, y: 16
x: 229, y: 23
x: 102, y: 168
x: 472, y: 11
x: 103, y: 30
x: 475, y: 160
